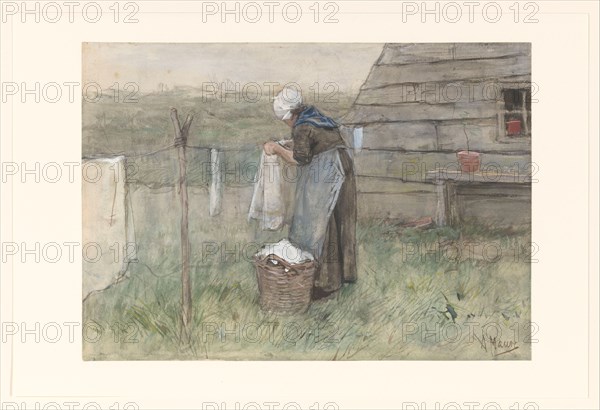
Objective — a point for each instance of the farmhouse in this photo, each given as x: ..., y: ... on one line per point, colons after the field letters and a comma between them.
x: 423, y: 103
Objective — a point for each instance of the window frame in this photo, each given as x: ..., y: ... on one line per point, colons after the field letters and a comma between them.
x: 525, y: 87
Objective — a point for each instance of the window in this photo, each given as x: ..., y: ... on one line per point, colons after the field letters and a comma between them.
x: 516, y: 112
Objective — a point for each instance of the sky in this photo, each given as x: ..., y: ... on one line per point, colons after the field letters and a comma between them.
x: 192, y: 64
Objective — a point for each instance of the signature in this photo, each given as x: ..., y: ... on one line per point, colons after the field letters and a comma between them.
x: 495, y: 345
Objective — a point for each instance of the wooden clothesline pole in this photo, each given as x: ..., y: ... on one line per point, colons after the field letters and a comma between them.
x: 181, y: 136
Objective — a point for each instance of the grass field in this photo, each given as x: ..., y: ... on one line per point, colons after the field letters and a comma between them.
x: 440, y: 293
x: 141, y: 126
x: 416, y: 298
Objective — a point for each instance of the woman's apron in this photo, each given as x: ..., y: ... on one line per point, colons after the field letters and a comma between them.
x: 317, y: 190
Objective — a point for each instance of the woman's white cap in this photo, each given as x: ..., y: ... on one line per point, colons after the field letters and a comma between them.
x: 287, y: 100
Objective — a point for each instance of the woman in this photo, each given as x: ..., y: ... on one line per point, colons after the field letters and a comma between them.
x: 324, y: 220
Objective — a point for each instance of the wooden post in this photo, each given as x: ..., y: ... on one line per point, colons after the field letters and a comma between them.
x: 452, y: 205
x: 181, y: 135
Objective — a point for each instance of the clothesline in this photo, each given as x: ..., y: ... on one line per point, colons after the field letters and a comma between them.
x: 216, y: 158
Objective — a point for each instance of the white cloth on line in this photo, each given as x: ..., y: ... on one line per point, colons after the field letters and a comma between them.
x: 216, y: 183
x: 270, y: 203
x: 108, y: 233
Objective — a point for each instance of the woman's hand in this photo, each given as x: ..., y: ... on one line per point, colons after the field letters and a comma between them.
x: 270, y: 147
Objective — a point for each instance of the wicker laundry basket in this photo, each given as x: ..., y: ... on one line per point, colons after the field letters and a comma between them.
x: 284, y: 288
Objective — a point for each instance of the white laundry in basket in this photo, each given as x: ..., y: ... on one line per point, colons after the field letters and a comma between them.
x: 286, y: 251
